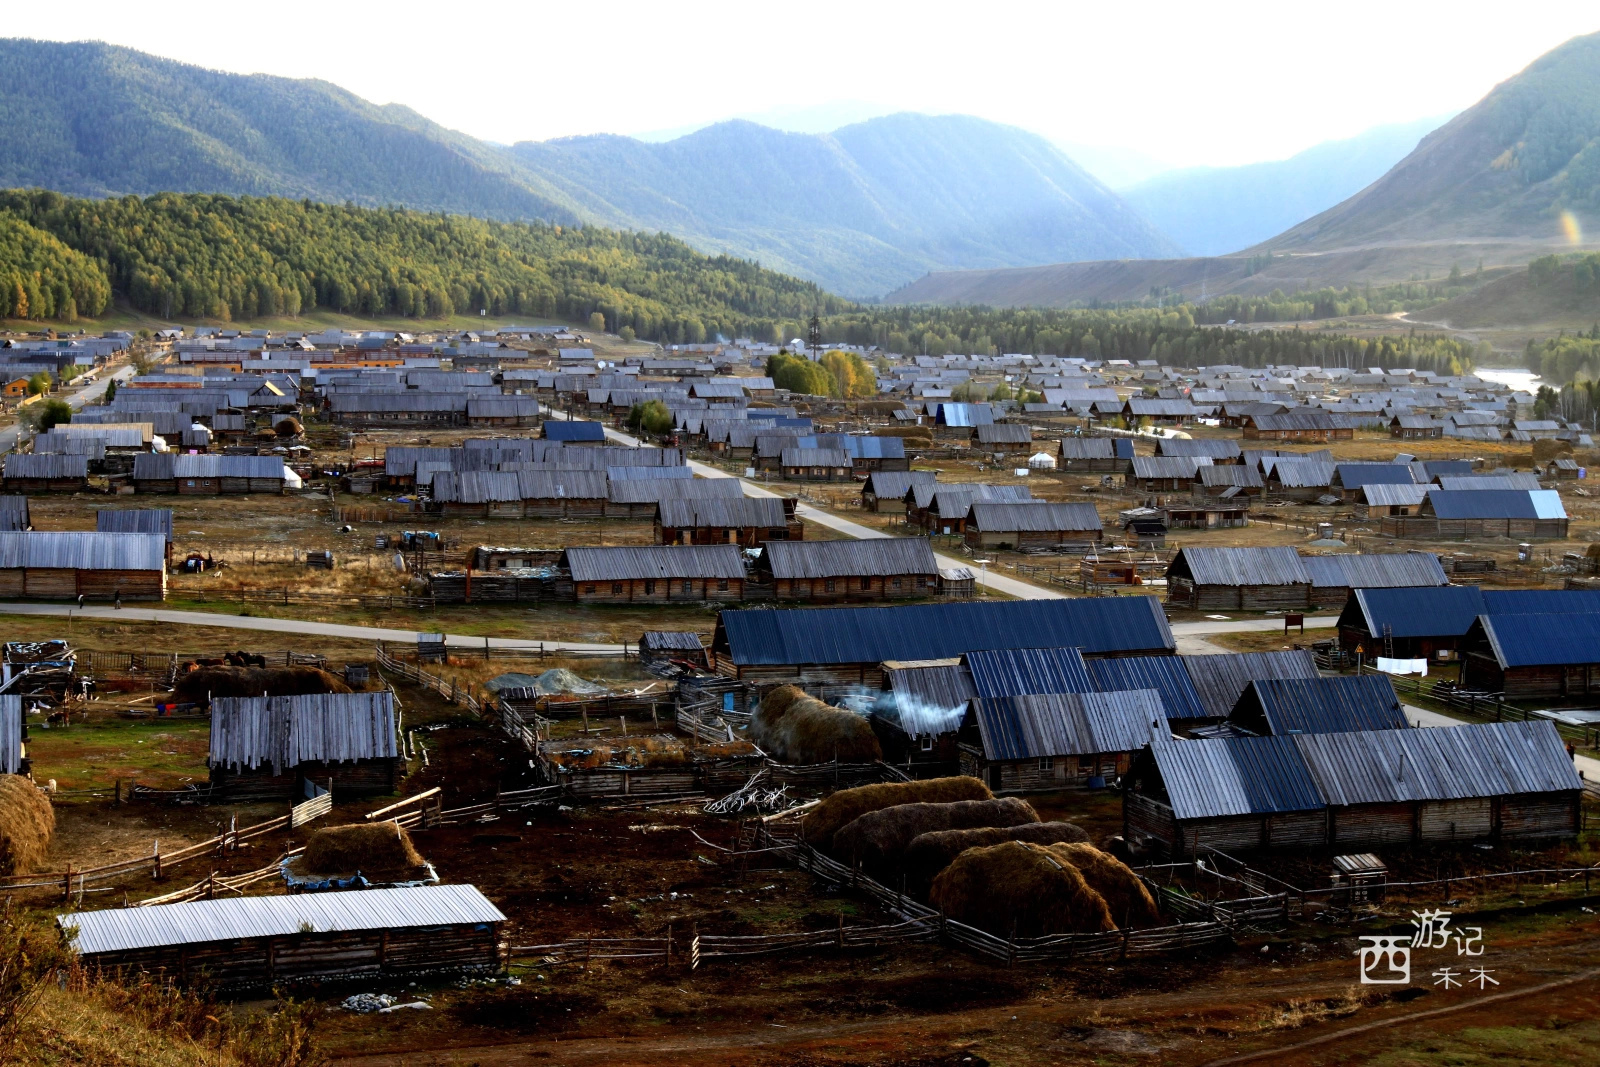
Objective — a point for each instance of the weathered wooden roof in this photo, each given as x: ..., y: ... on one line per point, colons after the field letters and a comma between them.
x: 1069, y: 724
x: 849, y: 559
x: 289, y: 730
x: 628, y: 562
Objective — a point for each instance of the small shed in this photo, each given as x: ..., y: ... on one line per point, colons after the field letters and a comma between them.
x: 1048, y: 741
x: 1096, y: 455
x: 664, y: 646
x: 260, y: 942
x: 274, y: 745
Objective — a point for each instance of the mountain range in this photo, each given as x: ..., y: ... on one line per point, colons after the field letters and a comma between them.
x: 1515, y: 176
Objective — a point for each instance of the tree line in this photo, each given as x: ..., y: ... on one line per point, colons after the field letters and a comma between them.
x: 41, y: 278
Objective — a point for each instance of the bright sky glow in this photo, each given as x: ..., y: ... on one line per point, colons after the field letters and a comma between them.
x: 1221, y: 83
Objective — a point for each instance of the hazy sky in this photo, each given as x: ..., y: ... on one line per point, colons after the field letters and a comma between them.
x: 1187, y: 83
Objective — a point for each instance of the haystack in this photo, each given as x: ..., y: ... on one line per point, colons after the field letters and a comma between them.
x: 878, y: 840
x: 931, y: 853
x: 1019, y: 889
x: 1130, y: 903
x: 365, y: 847
x: 847, y: 805
x: 26, y: 823
x: 199, y: 686
x: 794, y: 727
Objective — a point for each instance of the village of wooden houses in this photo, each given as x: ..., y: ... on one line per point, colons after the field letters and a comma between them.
x: 521, y: 688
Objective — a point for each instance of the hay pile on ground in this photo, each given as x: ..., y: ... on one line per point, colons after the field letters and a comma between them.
x: 931, y: 853
x: 198, y: 686
x: 794, y: 727
x: 1018, y: 889
x: 848, y: 805
x: 365, y: 847
x: 878, y: 840
x: 1126, y: 897
x: 27, y: 822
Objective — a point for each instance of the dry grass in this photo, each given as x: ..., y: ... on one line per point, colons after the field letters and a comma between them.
x: 794, y: 727
x: 847, y: 805
x: 366, y: 847
x: 878, y: 840
x: 199, y: 686
x: 1017, y: 889
x: 930, y: 853
x: 1127, y: 898
x: 1298, y: 1012
x: 27, y: 822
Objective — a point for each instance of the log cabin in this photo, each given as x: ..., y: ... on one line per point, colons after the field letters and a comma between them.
x: 656, y: 574
x: 878, y: 568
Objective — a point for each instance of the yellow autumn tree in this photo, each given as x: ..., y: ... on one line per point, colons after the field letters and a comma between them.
x: 854, y: 376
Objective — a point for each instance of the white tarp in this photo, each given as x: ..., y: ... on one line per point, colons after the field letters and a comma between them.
x: 1403, y: 666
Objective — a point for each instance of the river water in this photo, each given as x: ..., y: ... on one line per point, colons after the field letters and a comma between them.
x: 1519, y: 381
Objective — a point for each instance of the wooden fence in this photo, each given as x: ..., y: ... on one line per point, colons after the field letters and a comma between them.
x: 426, y: 810
x: 446, y: 688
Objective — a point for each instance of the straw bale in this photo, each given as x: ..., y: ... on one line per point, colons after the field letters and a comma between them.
x: 794, y: 727
x: 847, y: 805
x: 27, y: 822
x: 878, y: 839
x: 1125, y: 895
x: 930, y: 853
x: 1019, y: 889
x: 366, y: 847
x: 198, y: 686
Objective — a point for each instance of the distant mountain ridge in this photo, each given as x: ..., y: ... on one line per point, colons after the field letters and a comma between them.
x: 860, y: 211
x: 1212, y: 211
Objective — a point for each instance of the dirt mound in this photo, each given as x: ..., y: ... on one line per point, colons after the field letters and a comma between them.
x: 199, y: 686
x: 794, y: 727
x: 1018, y: 889
x: 848, y: 805
x: 1129, y: 902
x: 365, y: 847
x: 26, y: 823
x: 930, y: 853
x: 878, y: 839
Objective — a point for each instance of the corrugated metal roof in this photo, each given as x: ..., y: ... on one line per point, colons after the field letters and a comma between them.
x: 575, y: 430
x: 135, y: 520
x: 1220, y: 679
x: 1231, y: 474
x: 1387, y: 570
x: 1168, y: 466
x: 1301, y: 473
x: 834, y: 559
x: 1355, y: 475
x: 400, y: 461
x: 389, y: 403
x: 655, y: 490
x: 722, y: 512
x: 166, y: 466
x: 1235, y: 776
x: 955, y: 501
x: 1280, y: 565
x: 1096, y: 448
x: 1493, y: 504
x: 1447, y: 763
x: 10, y: 733
x: 501, y: 407
x: 289, y: 730
x: 1300, y: 420
x: 1069, y: 724
x: 1003, y: 433
x: 1542, y: 640
x: 686, y: 640
x: 894, y: 485
x: 1015, y: 671
x: 815, y: 457
x: 1480, y: 482
x: 628, y: 474
x: 14, y: 514
x: 654, y: 561
x: 932, y: 631
x: 1199, y: 446
x: 929, y: 699
x: 45, y: 465
x: 965, y: 414
x: 201, y: 921
x: 1381, y: 494
x: 76, y: 550
x: 1034, y: 516
x: 1167, y: 675
x: 1321, y: 705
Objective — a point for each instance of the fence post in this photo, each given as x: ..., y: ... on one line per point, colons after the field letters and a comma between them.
x: 694, y: 946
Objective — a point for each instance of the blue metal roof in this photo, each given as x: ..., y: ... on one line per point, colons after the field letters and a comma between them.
x: 1450, y: 610
x: 1235, y: 776
x: 1542, y: 640
x: 1324, y: 705
x: 574, y: 431
x: 1355, y: 475
x: 1016, y: 671
x: 1495, y: 504
x: 1068, y: 724
x: 1167, y: 675
x: 933, y: 631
